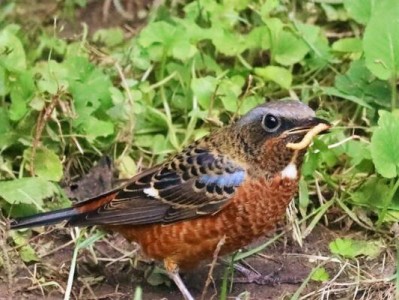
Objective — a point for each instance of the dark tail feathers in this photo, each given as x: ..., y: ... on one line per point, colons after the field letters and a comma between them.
x: 47, y: 218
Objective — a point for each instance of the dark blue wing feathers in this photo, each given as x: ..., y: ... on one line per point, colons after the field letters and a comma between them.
x: 193, y: 183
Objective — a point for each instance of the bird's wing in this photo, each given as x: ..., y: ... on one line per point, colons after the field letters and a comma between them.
x: 194, y: 183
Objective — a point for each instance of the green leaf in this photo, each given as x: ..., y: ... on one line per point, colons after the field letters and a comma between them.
x: 360, y: 83
x: 372, y: 194
x: 21, y: 92
x: 47, y: 163
x: 110, y: 36
x: 279, y: 75
x: 385, y: 144
x: 91, y: 91
x: 348, y: 45
x: 12, y: 53
x: 229, y: 90
x: 259, y: 37
x: 26, y: 252
x: 336, y: 93
x: 287, y: 47
x: 227, y: 42
x: 351, y: 248
x: 94, y: 128
x: 204, y: 88
x: 52, y: 76
x: 29, y: 190
x: 320, y: 274
x: 360, y: 10
x: 183, y: 50
x: 381, y: 40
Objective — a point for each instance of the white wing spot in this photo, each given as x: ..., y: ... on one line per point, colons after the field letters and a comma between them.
x: 151, y: 192
x: 290, y: 171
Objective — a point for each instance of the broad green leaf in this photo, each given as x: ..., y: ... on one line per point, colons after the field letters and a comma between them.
x: 381, y: 40
x: 4, y: 82
x: 250, y: 102
x: 372, y: 194
x: 267, y: 7
x: 203, y: 88
x: 26, y: 252
x: 351, y: 248
x: 28, y: 190
x: 157, y: 32
x: 259, y: 37
x: 21, y: 92
x: 126, y: 167
x: 336, y: 93
x: 320, y: 274
x: 287, y: 47
x: 52, y: 76
x: 279, y: 75
x: 348, y: 45
x: 385, y: 145
x: 94, y: 128
x: 359, y: 82
x: 12, y: 53
x: 46, y: 163
x: 360, y: 10
x: 88, y: 85
x: 357, y: 151
x: 110, y: 36
x: 227, y: 42
x: 229, y: 90
x: 173, y: 40
x: 320, y: 54
x: 334, y: 12
x: 183, y: 50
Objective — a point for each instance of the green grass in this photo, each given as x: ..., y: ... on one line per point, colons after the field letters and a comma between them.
x: 193, y: 67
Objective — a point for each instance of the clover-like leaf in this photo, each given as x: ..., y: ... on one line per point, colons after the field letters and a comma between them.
x: 46, y: 162
x: 385, y: 145
x: 29, y: 190
x: 359, y: 10
x: 381, y: 40
x: 279, y: 75
x: 351, y: 248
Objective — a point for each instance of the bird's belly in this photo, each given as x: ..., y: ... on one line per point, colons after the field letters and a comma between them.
x: 254, y: 210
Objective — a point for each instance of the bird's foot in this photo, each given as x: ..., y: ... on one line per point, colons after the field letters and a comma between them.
x: 272, y: 279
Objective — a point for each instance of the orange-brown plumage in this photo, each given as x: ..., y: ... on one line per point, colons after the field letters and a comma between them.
x: 252, y: 212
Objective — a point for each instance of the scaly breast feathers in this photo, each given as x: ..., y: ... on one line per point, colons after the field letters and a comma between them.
x: 253, y: 211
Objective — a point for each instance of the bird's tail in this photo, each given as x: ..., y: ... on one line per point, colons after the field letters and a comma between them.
x: 46, y: 218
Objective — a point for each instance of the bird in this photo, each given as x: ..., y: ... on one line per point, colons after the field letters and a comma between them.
x: 226, y: 189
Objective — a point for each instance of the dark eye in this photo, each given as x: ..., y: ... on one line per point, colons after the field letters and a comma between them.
x: 271, y: 123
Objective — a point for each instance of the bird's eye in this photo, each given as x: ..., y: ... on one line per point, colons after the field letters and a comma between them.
x: 271, y: 123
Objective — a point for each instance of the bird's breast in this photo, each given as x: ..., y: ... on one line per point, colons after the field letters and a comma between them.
x: 254, y: 210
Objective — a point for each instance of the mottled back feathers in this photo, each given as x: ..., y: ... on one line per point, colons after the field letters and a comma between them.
x: 193, y: 183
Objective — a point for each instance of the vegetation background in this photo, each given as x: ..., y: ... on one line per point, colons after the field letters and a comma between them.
x: 136, y: 81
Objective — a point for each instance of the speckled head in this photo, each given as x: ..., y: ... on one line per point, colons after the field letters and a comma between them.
x: 277, y: 133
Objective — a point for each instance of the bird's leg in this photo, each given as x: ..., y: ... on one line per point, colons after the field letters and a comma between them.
x: 173, y: 273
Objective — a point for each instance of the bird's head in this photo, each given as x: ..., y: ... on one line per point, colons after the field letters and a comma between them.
x: 274, y: 136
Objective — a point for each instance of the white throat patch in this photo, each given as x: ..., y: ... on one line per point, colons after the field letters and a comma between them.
x: 290, y: 171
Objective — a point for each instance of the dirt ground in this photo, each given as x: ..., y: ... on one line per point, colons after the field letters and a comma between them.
x: 112, y: 270
x: 104, y: 272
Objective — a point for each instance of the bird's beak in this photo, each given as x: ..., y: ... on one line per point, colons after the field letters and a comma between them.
x: 312, y: 127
